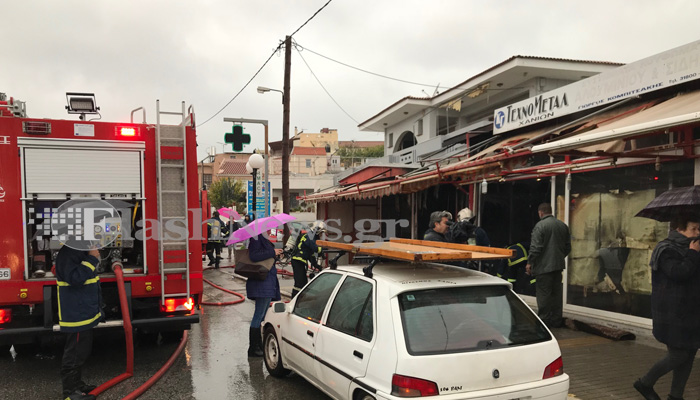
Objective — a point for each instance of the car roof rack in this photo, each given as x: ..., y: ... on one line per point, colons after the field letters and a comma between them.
x: 418, y: 251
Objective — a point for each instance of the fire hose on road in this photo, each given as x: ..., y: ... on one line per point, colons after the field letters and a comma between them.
x: 128, y: 333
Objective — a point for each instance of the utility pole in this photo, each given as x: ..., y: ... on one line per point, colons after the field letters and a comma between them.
x: 285, y: 131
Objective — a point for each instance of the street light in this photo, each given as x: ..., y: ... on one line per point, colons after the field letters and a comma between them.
x: 263, y: 90
x: 254, y: 163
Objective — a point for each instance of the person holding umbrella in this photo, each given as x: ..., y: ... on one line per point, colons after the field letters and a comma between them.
x: 262, y: 292
x: 675, y: 305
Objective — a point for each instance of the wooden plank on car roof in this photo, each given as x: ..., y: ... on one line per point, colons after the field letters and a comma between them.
x: 456, y: 246
x: 419, y: 250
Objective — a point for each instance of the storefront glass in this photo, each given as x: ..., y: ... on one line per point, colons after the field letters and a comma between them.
x: 609, y: 262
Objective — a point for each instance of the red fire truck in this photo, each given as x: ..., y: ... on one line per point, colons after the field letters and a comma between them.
x: 145, y: 172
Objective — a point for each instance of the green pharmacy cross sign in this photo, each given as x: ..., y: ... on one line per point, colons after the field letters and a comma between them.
x: 237, y: 138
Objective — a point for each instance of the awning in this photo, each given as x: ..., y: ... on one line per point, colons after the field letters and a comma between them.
x: 681, y: 110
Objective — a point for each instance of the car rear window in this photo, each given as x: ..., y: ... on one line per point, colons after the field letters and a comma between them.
x: 452, y: 320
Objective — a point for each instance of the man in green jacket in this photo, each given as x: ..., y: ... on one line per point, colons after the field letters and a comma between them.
x: 549, y: 246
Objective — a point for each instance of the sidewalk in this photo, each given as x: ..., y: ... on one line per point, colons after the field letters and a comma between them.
x: 601, y: 368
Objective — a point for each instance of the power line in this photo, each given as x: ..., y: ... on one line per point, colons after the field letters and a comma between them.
x: 263, y: 66
x: 243, y: 88
x: 324, y: 88
x: 312, y: 17
x: 373, y: 73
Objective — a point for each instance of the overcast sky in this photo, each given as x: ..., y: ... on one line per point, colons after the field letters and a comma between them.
x: 130, y: 53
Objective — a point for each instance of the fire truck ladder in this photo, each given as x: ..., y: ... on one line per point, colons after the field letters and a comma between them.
x: 171, y: 173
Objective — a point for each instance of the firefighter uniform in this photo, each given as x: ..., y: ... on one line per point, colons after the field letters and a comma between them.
x: 305, y: 253
x: 513, y: 270
x: 79, y: 310
x: 217, y: 231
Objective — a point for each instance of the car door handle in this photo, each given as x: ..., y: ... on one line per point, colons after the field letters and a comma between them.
x: 357, y: 354
x: 310, y: 333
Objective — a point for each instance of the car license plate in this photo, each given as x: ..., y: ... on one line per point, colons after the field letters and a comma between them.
x: 4, y: 274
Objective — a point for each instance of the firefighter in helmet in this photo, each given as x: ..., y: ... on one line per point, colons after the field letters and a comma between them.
x: 306, y: 252
x: 217, y: 232
x: 79, y: 310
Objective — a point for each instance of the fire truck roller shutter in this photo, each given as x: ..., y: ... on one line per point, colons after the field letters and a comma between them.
x: 61, y: 170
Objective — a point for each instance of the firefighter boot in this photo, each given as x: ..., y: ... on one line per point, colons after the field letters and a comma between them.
x: 254, y: 343
x: 78, y: 395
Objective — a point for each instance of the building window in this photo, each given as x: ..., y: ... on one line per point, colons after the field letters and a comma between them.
x: 308, y: 163
x: 419, y: 127
x: 390, y: 142
x: 207, y: 179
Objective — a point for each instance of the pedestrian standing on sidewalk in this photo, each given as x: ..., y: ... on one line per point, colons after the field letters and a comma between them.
x: 675, y: 306
x: 549, y: 246
x: 262, y: 292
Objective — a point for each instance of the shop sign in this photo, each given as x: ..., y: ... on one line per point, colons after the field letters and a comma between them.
x: 673, y: 67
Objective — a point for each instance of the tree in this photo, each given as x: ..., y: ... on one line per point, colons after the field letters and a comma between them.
x: 226, y: 191
x: 352, y: 155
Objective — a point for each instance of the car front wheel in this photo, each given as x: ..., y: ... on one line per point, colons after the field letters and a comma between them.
x: 273, y: 355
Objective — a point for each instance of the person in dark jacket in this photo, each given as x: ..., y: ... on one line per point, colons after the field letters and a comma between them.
x: 513, y: 269
x: 79, y: 310
x: 262, y: 292
x: 439, y: 223
x: 675, y: 306
x: 216, y: 231
x: 549, y: 246
x: 306, y: 252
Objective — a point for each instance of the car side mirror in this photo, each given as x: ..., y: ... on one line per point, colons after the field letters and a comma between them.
x: 279, y: 307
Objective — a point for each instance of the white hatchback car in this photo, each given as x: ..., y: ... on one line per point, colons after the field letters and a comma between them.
x: 413, y: 330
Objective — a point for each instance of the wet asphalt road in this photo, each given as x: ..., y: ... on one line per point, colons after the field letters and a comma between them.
x: 214, y: 364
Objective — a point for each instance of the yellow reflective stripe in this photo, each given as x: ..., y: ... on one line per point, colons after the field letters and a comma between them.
x: 58, y: 296
x: 533, y: 281
x: 80, y: 323
x: 320, y: 249
x: 87, y: 282
x: 87, y: 264
x: 521, y: 259
x: 93, y: 280
x: 511, y: 280
x: 298, y: 258
x: 499, y: 275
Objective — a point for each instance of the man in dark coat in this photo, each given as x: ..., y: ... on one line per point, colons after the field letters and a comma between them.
x: 675, y: 306
x: 549, y: 246
x: 79, y: 310
x: 439, y: 223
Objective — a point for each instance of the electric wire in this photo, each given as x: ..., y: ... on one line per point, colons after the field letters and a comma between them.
x: 263, y: 66
x: 324, y: 88
x: 374, y: 73
x: 244, y: 87
x: 312, y: 17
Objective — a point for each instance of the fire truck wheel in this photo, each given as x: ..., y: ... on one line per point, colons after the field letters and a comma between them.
x: 171, y: 336
x: 145, y: 338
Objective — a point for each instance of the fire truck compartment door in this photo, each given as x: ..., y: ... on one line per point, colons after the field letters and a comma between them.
x: 56, y: 171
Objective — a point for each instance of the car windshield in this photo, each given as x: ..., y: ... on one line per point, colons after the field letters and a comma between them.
x: 452, y: 320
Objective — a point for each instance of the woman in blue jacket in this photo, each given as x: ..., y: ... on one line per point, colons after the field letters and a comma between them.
x: 262, y: 292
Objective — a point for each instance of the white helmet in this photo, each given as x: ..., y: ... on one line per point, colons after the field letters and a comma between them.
x: 465, y: 214
x: 319, y: 227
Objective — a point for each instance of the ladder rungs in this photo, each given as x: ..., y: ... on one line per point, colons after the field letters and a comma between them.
x: 172, y: 166
x: 173, y: 243
x: 167, y: 139
x: 170, y: 112
x: 173, y: 191
x: 175, y: 295
x: 176, y: 217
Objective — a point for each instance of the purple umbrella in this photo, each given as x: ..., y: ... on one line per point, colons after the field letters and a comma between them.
x: 259, y: 226
x: 669, y: 204
x: 229, y: 213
